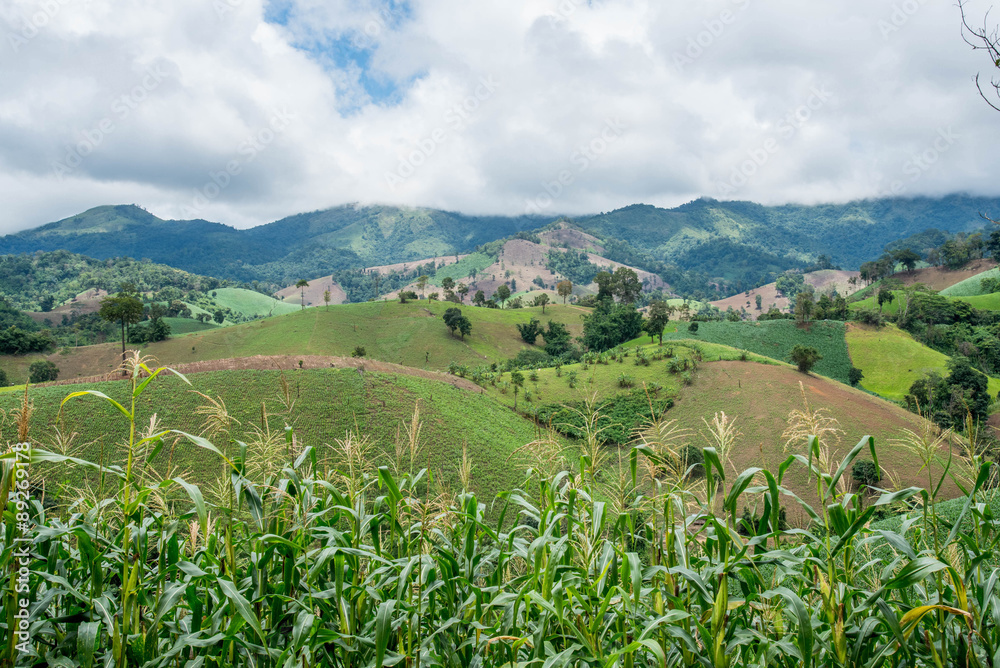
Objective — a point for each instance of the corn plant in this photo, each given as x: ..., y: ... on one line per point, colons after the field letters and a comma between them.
x: 364, y: 565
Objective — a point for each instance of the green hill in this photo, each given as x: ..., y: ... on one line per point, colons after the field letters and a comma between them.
x: 892, y: 360
x: 412, y: 334
x: 776, y: 338
x: 694, y: 247
x: 321, y: 404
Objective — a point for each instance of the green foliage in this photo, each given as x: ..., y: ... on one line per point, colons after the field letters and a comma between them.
x: 42, y: 371
x: 865, y: 472
x: 530, y: 330
x: 359, y: 351
x: 855, y: 376
x: 804, y: 357
x: 16, y: 341
x: 693, y: 327
x: 950, y: 400
x: 610, y: 325
x: 352, y: 563
x: 574, y: 265
x: 775, y: 339
x: 618, y: 415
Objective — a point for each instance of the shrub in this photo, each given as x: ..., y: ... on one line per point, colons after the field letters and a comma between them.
x: 855, y: 376
x: 693, y: 328
x: 804, y: 357
x: 624, y: 380
x: 4, y: 382
x: 867, y: 316
x: 42, y: 372
x: 866, y: 473
x: 359, y: 351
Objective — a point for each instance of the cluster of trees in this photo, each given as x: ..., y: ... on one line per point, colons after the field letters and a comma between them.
x: 455, y: 321
x: 43, y: 280
x: 950, y: 400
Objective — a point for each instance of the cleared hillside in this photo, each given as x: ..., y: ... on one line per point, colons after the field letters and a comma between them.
x: 760, y: 399
x: 412, y: 334
x: 321, y: 404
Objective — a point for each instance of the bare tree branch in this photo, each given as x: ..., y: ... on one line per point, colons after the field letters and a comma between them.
x: 983, y: 39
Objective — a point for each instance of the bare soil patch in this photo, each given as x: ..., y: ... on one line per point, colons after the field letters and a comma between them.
x: 761, y: 398
x: 820, y: 280
x: 939, y: 278
x: 314, y: 293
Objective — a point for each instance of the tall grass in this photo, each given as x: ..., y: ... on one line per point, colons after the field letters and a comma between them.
x: 369, y: 566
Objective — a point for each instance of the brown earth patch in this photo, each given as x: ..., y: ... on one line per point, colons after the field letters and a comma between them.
x: 314, y: 293
x: 821, y: 281
x: 84, y: 303
x: 440, y: 261
x: 761, y: 397
x: 265, y: 362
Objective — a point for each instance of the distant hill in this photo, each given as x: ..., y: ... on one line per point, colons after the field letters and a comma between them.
x: 706, y: 247
x: 308, y: 244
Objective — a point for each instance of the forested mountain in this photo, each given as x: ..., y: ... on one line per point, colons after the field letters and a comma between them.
x: 308, y: 244
x: 742, y: 241
x: 722, y: 247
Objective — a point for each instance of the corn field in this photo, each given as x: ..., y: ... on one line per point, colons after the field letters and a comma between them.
x: 303, y: 565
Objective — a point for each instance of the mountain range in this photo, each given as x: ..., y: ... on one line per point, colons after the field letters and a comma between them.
x: 736, y: 244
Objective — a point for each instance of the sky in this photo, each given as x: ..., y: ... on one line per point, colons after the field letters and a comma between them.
x: 246, y: 111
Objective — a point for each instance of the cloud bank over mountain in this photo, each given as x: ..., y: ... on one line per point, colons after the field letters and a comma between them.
x: 243, y: 111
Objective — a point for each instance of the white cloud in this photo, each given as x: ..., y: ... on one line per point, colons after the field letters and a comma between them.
x: 496, y: 103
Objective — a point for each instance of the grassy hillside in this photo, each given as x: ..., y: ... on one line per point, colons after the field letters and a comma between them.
x: 760, y: 399
x: 776, y: 338
x: 321, y: 405
x: 412, y: 334
x: 892, y: 360
x: 250, y: 303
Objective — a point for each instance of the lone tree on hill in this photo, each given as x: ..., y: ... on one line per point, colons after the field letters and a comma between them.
x: 565, y: 289
x: 124, y: 308
x: 462, y: 290
x: 422, y: 284
x: 302, y: 284
x: 517, y: 380
x: 326, y: 299
x: 804, y: 307
x: 659, y: 316
x: 454, y: 319
x: 542, y: 300
x: 502, y: 294
x: 42, y: 372
x: 804, y: 357
x: 884, y: 296
x: 625, y: 285
x: 448, y: 283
